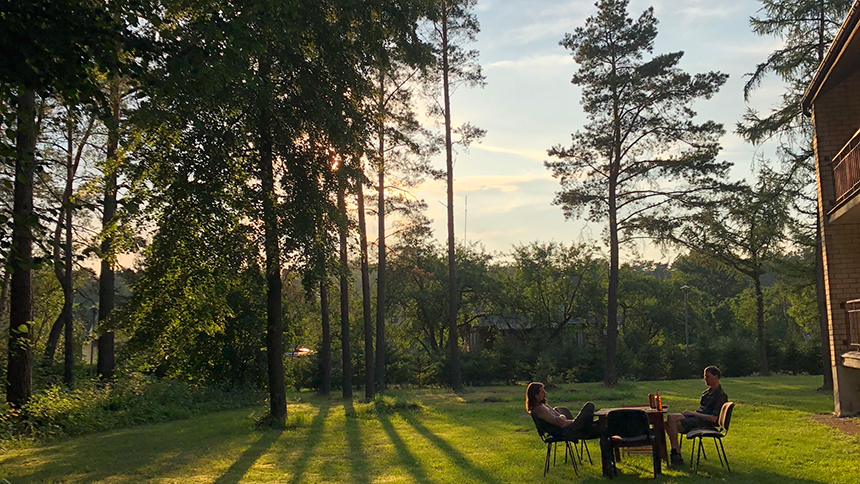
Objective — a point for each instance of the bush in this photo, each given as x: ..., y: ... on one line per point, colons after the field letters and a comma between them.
x: 134, y: 399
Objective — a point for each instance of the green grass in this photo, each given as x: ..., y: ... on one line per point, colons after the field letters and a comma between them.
x: 482, y: 435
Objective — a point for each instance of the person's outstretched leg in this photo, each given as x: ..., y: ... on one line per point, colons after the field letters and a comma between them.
x: 585, y: 418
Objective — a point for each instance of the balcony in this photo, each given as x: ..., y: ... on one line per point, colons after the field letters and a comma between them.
x: 846, y: 173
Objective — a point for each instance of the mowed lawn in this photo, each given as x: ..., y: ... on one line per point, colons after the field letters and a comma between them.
x: 435, y: 436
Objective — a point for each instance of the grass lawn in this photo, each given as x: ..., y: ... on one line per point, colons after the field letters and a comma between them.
x: 434, y: 436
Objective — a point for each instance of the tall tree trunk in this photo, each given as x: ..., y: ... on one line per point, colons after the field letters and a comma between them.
x: 274, y: 322
x: 68, y: 294
x: 610, y: 376
x: 759, y: 310
x: 20, y: 367
x: 68, y: 298
x: 365, y: 296
x: 106, y: 361
x: 344, y: 288
x: 453, y: 293
x: 823, y: 325
x: 326, y: 337
x: 380, y: 273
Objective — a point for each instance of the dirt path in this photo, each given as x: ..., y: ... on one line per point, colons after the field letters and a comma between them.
x: 850, y: 426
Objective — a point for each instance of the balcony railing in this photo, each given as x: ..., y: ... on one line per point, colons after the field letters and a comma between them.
x: 852, y: 310
x: 846, y: 169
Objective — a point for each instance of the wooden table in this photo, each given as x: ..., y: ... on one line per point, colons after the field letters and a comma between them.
x: 656, y: 418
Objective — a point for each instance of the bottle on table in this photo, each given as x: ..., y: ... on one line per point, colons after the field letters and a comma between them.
x: 659, y: 401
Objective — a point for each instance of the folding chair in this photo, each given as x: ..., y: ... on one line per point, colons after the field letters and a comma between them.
x: 717, y: 434
x: 551, y: 441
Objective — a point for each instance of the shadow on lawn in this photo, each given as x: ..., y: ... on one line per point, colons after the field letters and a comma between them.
x: 357, y: 458
x: 314, y: 435
x: 407, y: 460
x: 477, y: 474
x: 245, y: 461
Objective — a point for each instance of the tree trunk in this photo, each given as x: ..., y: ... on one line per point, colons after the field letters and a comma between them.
x: 365, y: 297
x: 344, y: 289
x: 68, y: 292
x: 274, y: 322
x: 453, y: 294
x: 380, y: 273
x: 106, y: 361
x: 326, y: 337
x: 759, y: 310
x: 823, y: 324
x: 20, y: 366
x: 610, y: 376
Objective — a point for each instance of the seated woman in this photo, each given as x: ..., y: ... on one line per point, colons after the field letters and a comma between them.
x: 559, y: 419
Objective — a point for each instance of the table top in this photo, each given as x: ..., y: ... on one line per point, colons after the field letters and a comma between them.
x: 603, y: 411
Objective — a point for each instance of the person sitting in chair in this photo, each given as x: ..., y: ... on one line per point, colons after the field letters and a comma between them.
x: 561, y: 422
x: 705, y: 417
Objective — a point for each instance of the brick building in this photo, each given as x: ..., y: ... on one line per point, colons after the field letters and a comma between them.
x: 833, y: 101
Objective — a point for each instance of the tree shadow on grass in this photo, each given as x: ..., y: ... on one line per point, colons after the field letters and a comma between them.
x: 477, y: 474
x: 406, y: 458
x: 314, y: 435
x: 239, y: 468
x: 144, y: 452
x: 357, y: 459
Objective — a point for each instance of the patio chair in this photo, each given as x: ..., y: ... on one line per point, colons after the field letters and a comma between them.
x: 717, y: 434
x: 580, y: 440
x: 629, y: 427
x: 551, y: 441
x: 628, y: 451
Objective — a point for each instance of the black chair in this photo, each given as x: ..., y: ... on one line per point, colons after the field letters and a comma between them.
x: 717, y: 434
x: 551, y: 441
x: 580, y: 439
x: 580, y: 442
x: 629, y: 427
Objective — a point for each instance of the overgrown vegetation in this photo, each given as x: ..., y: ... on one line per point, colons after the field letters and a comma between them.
x: 134, y: 399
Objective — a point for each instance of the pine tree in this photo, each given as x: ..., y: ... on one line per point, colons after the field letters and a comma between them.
x: 453, y: 26
x: 641, y: 133
x: 807, y: 28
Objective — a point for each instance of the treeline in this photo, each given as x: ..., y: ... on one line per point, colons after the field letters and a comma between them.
x: 245, y: 151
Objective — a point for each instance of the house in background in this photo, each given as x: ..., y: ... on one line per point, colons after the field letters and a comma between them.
x: 833, y: 101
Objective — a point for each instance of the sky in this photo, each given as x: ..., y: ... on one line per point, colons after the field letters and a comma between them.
x: 503, y: 192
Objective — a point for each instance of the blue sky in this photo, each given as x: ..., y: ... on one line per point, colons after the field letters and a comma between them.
x: 529, y: 105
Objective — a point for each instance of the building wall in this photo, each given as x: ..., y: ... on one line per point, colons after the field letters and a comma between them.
x: 836, y: 117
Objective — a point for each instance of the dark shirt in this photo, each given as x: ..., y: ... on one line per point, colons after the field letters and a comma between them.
x: 712, y: 401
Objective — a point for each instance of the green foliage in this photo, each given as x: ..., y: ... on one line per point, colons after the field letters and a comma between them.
x: 134, y: 399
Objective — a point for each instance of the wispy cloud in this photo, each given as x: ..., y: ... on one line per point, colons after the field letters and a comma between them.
x: 540, y: 61
x: 536, y: 155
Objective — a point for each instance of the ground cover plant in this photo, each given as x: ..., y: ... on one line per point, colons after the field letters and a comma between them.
x: 481, y: 435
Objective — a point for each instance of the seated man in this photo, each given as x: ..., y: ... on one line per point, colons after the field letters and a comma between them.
x: 705, y: 417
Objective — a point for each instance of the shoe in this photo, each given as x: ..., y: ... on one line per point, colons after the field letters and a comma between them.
x: 675, y: 458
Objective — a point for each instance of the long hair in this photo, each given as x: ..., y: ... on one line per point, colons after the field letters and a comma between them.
x: 531, y: 395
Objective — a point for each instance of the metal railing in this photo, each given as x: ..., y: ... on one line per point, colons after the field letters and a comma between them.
x: 852, y: 312
x: 846, y: 169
